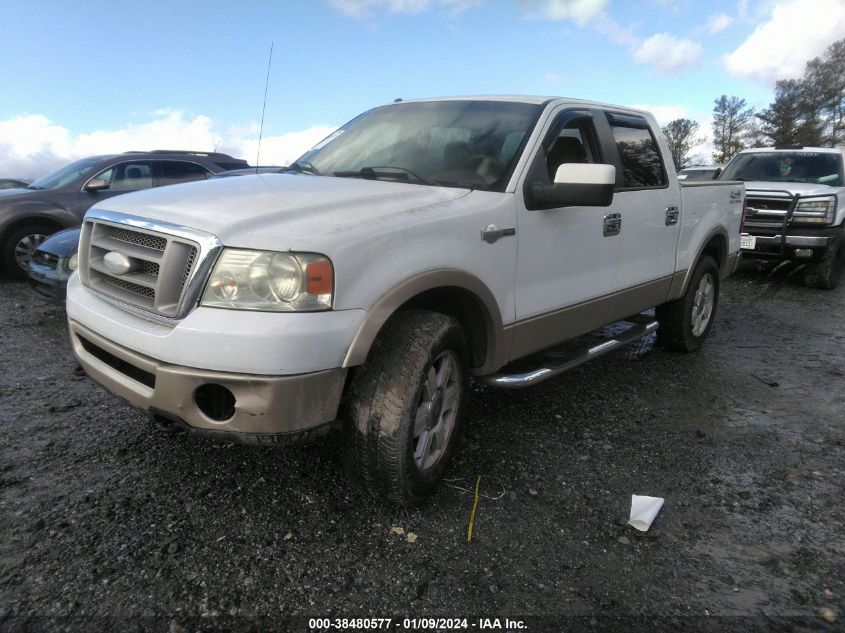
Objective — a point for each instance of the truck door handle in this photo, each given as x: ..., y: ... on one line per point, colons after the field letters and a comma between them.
x: 492, y: 233
x: 612, y: 223
x: 672, y: 215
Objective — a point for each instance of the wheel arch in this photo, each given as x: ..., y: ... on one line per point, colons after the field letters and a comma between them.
x: 453, y: 292
x: 715, y: 245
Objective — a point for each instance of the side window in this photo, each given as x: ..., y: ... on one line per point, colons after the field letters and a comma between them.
x: 176, y: 171
x: 128, y: 176
x: 575, y: 143
x: 640, y: 158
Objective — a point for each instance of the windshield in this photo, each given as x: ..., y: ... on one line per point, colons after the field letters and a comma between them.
x: 471, y: 144
x: 65, y: 175
x: 813, y: 167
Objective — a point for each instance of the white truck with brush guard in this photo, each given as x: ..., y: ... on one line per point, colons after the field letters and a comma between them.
x: 420, y: 244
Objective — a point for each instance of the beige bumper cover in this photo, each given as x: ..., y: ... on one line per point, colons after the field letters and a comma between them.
x: 263, y: 404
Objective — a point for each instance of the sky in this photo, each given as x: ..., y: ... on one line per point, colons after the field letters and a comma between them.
x: 98, y: 77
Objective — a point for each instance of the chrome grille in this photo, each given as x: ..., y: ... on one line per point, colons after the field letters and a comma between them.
x: 189, y: 265
x: 136, y: 237
x: 46, y: 259
x: 766, y: 211
x: 164, y: 261
x: 130, y: 287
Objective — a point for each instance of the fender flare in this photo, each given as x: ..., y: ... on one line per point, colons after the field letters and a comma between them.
x: 496, y: 336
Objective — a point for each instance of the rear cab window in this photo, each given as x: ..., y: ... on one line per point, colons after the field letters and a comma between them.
x: 639, y: 156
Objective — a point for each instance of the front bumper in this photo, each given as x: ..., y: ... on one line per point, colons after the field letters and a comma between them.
x: 812, y: 244
x: 48, y: 284
x: 267, y: 409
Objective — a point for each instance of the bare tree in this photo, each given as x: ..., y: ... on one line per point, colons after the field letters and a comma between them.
x: 681, y: 137
x: 731, y: 122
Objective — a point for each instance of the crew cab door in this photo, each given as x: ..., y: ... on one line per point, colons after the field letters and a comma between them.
x: 565, y: 259
x: 581, y: 267
x: 648, y: 201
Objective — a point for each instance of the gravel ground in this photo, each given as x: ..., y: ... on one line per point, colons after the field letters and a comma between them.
x: 101, y: 516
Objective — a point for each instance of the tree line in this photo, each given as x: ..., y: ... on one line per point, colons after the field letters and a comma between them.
x: 808, y: 111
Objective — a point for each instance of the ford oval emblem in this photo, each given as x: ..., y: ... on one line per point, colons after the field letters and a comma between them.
x: 117, y: 263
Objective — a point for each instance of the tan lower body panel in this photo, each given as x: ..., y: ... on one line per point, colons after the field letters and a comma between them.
x: 263, y: 404
x: 541, y: 332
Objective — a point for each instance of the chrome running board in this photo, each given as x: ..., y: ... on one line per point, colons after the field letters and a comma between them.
x: 531, y: 378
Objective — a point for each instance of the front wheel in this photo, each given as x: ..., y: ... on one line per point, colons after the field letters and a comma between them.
x: 406, y: 406
x: 825, y: 274
x: 19, y: 246
x: 686, y: 322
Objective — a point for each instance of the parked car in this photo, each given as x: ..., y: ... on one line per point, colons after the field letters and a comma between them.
x: 795, y: 208
x: 423, y: 242
x: 51, y: 265
x: 60, y: 199
x: 700, y: 172
x: 13, y: 183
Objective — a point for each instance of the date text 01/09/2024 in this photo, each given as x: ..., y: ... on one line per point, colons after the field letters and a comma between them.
x: 325, y: 624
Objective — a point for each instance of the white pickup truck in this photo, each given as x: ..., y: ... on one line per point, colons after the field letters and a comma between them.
x: 795, y: 208
x: 420, y: 244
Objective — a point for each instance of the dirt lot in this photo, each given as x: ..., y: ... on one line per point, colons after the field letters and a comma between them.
x: 102, y: 516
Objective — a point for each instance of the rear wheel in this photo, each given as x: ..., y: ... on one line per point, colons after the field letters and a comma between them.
x: 686, y: 322
x: 19, y: 246
x: 405, y: 407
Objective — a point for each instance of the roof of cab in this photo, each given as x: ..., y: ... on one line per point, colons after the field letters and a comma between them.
x: 532, y: 99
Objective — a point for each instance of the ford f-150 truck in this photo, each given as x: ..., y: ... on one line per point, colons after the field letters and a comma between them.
x: 422, y: 243
x: 795, y: 208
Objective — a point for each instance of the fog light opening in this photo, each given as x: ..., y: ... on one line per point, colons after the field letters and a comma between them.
x: 215, y: 401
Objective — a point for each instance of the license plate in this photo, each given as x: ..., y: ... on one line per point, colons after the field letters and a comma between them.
x: 747, y: 242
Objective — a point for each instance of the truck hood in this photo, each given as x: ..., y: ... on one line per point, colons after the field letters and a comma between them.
x: 804, y: 188
x: 256, y: 211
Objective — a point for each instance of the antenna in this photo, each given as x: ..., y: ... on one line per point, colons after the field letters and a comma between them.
x: 263, y: 107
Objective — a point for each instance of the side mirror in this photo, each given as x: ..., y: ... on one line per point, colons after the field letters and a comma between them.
x: 96, y: 184
x: 575, y: 185
x: 717, y: 173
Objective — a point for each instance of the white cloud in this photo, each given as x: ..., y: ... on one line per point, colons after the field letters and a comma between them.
x: 663, y: 113
x: 717, y: 23
x: 667, y: 52
x: 31, y: 145
x: 358, y: 8
x: 579, y: 11
x: 796, y: 31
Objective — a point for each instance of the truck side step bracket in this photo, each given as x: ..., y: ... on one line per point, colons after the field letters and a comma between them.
x: 535, y: 376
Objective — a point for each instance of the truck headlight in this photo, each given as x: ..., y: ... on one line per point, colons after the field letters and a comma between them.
x: 815, y: 211
x: 267, y: 281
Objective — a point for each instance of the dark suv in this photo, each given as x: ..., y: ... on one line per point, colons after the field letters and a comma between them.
x: 61, y: 198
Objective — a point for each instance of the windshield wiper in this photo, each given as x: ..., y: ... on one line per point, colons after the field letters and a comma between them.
x: 34, y: 187
x: 302, y: 167
x: 388, y: 172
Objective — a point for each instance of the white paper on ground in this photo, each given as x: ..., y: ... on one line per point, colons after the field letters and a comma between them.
x: 643, y: 511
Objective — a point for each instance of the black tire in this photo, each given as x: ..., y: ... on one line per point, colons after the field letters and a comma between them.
x: 11, y: 266
x: 676, y: 329
x: 386, y: 395
x: 825, y: 274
